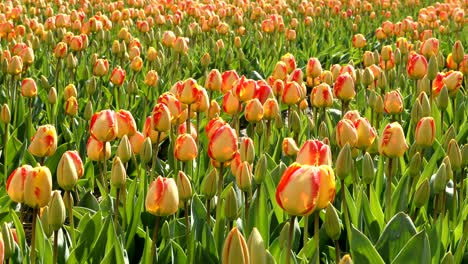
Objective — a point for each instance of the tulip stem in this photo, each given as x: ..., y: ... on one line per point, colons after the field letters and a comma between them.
x: 116, y: 207
x: 187, y: 224
x: 104, y: 173
x: 317, y: 232
x: 246, y: 212
x: 33, y: 237
x: 5, y: 152
x: 454, y: 109
x: 69, y: 206
x: 454, y: 198
x: 290, y: 238
x: 436, y: 206
x: 155, y: 155
x: 219, y: 191
x: 188, y: 127
x: 155, y: 236
x: 337, y: 251
x: 345, y: 210
x: 55, y: 246
x: 306, y: 230
x: 266, y: 141
x: 208, y: 214
x: 388, y: 201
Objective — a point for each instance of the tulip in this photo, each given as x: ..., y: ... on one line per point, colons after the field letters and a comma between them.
x: 38, y: 187
x: 222, y: 144
x: 71, y: 106
x: 253, y: 111
x: 359, y: 41
x: 417, y: 66
x: 161, y: 118
x: 5, y: 114
x: 289, y: 147
x: 117, y: 76
x: 162, y: 198
x: 292, y: 93
x: 235, y: 250
x: 392, y: 143
x: 185, y: 148
x: 256, y: 246
x: 214, y: 80
x: 44, y: 142
x: 425, y: 132
x: 104, y: 126
x: 321, y: 96
x: 393, y: 103
x: 344, y: 87
x: 352, y: 115
x: 56, y: 212
x: 60, y: 51
x: 28, y: 88
x: 213, y: 126
x: 137, y: 64
x: 15, y: 65
x: 304, y: 188
x: 231, y: 105
x: 187, y: 94
x: 453, y: 80
x: 280, y: 72
x: 315, y: 153
x: 118, y: 174
x: 244, y: 177
x: 136, y: 142
x: 126, y: 123
x: 184, y: 187
x: 202, y: 102
x: 173, y: 104
x: 430, y: 47
x: 366, y: 133
x: 229, y: 79
x: 247, y: 150
x: 101, y: 67
x: 97, y: 150
x: 15, y: 183
x: 67, y: 171
x: 270, y: 109
x: 151, y: 78
x: 245, y: 89
x: 346, y: 133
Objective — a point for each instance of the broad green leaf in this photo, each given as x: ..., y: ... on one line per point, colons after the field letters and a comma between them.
x: 370, y: 220
x: 362, y: 250
x: 376, y: 207
x: 259, y: 213
x: 418, y: 243
x: 353, y: 213
x: 400, y: 195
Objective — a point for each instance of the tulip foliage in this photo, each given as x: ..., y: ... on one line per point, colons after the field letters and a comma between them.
x: 233, y: 131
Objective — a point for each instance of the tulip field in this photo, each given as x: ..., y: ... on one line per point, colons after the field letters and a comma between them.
x: 233, y: 131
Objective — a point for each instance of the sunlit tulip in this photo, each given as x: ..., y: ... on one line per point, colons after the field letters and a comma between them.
x: 126, y: 123
x: 187, y: 94
x: 76, y: 43
x: 417, y: 66
x: 213, y: 126
x: 315, y: 153
x: 184, y: 188
x: 366, y: 133
x: 253, y: 111
x: 161, y: 118
x: 70, y: 90
x: 235, y: 249
x: 313, y: 68
x: 173, y: 104
x: 280, y: 72
x: 352, y: 115
x: 290, y: 62
x: 270, y: 109
x: 229, y: 79
x: 425, y: 132
x: 117, y: 76
x: 71, y: 106
x: 151, y: 78
x: 136, y: 141
x: 344, y: 87
x: 104, y: 126
x: 181, y: 45
x: 214, y: 81
x: 292, y: 93
x: 38, y: 187
x: 231, y: 105
x: 15, y: 183
x: 69, y: 169
x: 202, y: 102
x: 101, y: 67
x: 15, y: 65
x: 321, y: 96
x: 393, y: 103
x: 430, y: 47
x: 222, y: 144
x: 453, y: 80
x: 359, y: 41
x: 28, y: 87
x: 303, y: 188
x: 392, y: 143
x: 44, y: 142
x: 137, y: 64
x: 168, y: 38
x: 245, y: 89
x: 247, y: 149
x: 96, y: 151
x: 60, y: 51
x: 185, y: 148
x: 244, y: 176
x: 163, y: 197
x: 182, y: 129
x: 346, y: 133
x: 289, y: 147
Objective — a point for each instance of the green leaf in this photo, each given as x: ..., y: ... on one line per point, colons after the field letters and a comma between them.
x: 400, y: 195
x: 419, y: 245
x: 259, y: 213
x: 19, y: 231
x: 398, y: 231
x: 353, y: 213
x: 362, y: 250
x: 370, y: 220
x: 376, y: 207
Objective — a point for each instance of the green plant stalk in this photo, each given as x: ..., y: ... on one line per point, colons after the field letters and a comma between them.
x: 116, y: 208
x: 55, y: 250
x: 441, y: 122
x: 104, y: 173
x: 345, y: 210
x: 208, y: 214
x: 337, y: 251
x: 155, y: 236
x: 436, y: 206
x: 454, y: 109
x: 57, y: 75
x: 69, y: 206
x: 5, y: 153
x: 454, y: 199
x: 317, y: 231
x: 246, y: 212
x: 155, y: 155
x: 33, y: 238
x: 219, y: 192
x: 388, y: 193
x: 266, y: 139
x: 306, y: 230
x: 290, y: 238
x: 188, y: 127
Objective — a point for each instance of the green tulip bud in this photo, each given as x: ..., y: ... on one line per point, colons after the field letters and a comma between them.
x: 397, y: 56
x: 269, y: 258
x: 124, y: 150
x: 91, y: 87
x: 88, y: 112
x: 382, y: 82
x: 367, y: 77
x: 310, y: 122
x: 45, y: 221
x: 344, y: 162
x: 278, y: 121
x: 448, y: 258
x: 464, y: 155
x: 284, y: 235
x: 118, y: 173
x: 332, y: 223
x: 259, y: 128
x: 359, y: 73
x: 457, y: 52
x: 52, y: 96
x: 443, y: 98
x: 295, y: 122
x: 45, y: 82
x: 256, y: 247
x: 165, y: 231
x: 183, y: 186
x: 425, y: 104
x: 402, y: 82
x: 5, y: 114
x: 376, y: 57
x: 260, y: 169
x: 56, y: 214
x: 368, y: 172
x: 415, y: 165
x: 421, y: 196
x: 454, y: 154
x: 441, y: 61
x: 8, y: 242
x: 379, y: 105
x: 209, y: 184
x: 432, y: 68
x: 72, y: 61
x: 448, y: 168
x: 231, y: 207
x: 416, y: 112
x: 323, y: 130
x: 146, y: 151
x: 440, y: 180
x: 449, y: 135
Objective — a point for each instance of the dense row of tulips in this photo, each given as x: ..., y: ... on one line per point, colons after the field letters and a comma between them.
x: 233, y: 131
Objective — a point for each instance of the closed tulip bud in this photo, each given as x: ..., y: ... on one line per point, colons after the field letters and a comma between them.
x: 421, y: 196
x: 244, y: 176
x: 183, y: 186
x: 359, y: 41
x: 56, y: 212
x: 67, y: 171
x: 458, y: 52
x: 185, y: 148
x: 270, y: 109
x: 235, y: 249
x: 231, y: 207
x: 71, y: 106
x: 344, y: 162
x: 368, y: 172
x: 448, y: 258
x: 247, y: 150
x: 117, y: 76
x: 284, y: 235
x: 295, y: 122
x: 222, y: 144
x: 368, y: 58
x: 280, y: 72
x: 289, y: 147
x: 137, y: 64
x: 205, y: 60
x: 440, y: 179
x: 454, y: 154
x: 15, y: 183
x: 253, y: 110
x: 416, y: 112
x: 151, y: 78
x: 101, y: 67
x: 161, y: 118
x: 415, y: 165
x: 28, y: 88
x: 448, y: 168
x: 416, y: 66
x: 44, y: 217
x: 346, y: 133
x: 332, y: 223
x: 124, y: 150
x: 104, y: 125
x: 398, y: 56
x: 344, y: 87
x: 292, y: 93
x: 118, y: 173
x: 210, y: 183
x: 382, y: 81
x: 323, y: 130
x: 303, y: 188
x: 432, y: 68
x: 126, y: 123
x: 315, y: 153
x: 278, y: 122
x: 97, y: 150
x: 425, y: 132
x: 449, y: 135
x: 386, y: 53
x: 52, y: 96
x: 5, y: 114
x: 8, y: 242
x: 392, y: 142
x: 60, y: 50
x: 146, y: 151
x: 256, y: 246
x: 443, y: 98
x: 365, y: 132
x: 38, y: 187
x: 214, y: 81
x: 162, y: 198
x: 44, y: 141
x: 367, y: 77
x: 430, y: 47
x: 313, y: 68
x: 393, y: 103
x: 379, y: 105
x: 187, y: 94
x: 260, y: 169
